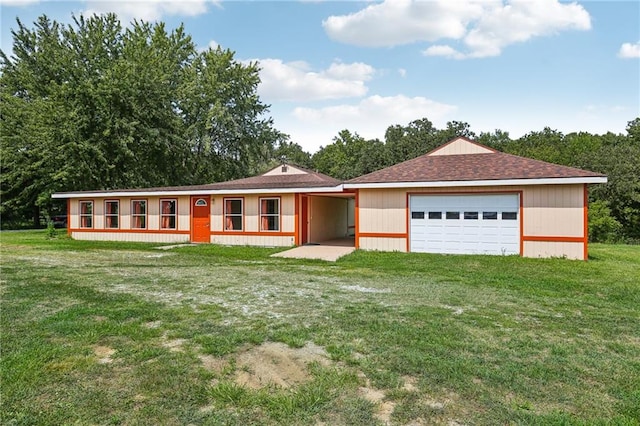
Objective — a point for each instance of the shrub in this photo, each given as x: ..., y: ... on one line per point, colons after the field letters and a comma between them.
x: 603, y: 227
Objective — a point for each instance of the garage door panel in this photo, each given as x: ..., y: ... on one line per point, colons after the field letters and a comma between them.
x: 474, y: 224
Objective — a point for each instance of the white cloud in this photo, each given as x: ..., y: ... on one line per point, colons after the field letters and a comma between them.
x: 295, y: 81
x: 370, y: 118
x: 629, y: 50
x: 396, y: 22
x: 446, y: 51
x: 484, y: 27
x: 149, y: 10
x: 402, y: 72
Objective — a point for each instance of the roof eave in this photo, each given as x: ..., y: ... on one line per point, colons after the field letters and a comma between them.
x: 467, y: 183
x: 176, y: 193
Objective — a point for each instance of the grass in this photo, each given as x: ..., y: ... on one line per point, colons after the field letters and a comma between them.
x: 88, y: 328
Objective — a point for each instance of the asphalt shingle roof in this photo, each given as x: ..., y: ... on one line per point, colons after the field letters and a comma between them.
x: 309, y: 180
x: 470, y: 167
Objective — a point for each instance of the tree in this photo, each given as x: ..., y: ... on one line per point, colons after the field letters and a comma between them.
x: 292, y: 153
x: 407, y: 142
x: 91, y: 105
x: 349, y: 156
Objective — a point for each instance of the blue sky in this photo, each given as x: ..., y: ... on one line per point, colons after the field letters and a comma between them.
x: 517, y: 66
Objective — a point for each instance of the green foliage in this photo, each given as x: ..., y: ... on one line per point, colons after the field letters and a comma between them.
x: 349, y: 156
x: 51, y: 230
x: 603, y: 227
x: 93, y: 105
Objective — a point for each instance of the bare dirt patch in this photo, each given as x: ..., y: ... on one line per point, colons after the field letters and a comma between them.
x: 276, y: 364
x: 174, y: 345
x: 103, y: 353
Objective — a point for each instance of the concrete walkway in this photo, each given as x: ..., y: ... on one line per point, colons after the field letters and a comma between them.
x: 326, y: 250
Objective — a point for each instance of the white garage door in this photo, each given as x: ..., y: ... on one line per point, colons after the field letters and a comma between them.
x: 465, y: 224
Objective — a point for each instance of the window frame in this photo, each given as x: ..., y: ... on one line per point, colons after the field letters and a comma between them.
x: 173, y: 215
x: 135, y: 215
x: 227, y: 218
x: 82, y: 215
x: 262, y: 216
x: 108, y: 215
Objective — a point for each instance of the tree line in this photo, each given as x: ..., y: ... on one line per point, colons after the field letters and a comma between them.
x: 94, y: 105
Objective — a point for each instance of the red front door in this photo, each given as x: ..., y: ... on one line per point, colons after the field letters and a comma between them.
x: 304, y: 221
x: 200, y: 219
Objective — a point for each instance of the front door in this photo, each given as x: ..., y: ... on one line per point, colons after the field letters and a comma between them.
x: 304, y: 221
x: 200, y: 219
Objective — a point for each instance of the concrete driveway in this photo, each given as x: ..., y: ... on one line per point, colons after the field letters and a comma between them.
x: 326, y: 250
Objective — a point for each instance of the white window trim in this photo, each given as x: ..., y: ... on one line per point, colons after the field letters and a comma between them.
x: 267, y: 215
x: 135, y: 215
x: 82, y: 215
x: 169, y: 215
x: 108, y: 215
x: 232, y: 215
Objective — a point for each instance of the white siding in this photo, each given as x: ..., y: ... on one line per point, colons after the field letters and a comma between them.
x: 383, y: 244
x: 140, y: 237
x: 253, y: 240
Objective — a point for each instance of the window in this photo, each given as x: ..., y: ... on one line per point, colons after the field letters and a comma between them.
x: 139, y: 214
x: 509, y: 215
x: 233, y: 214
x: 269, y: 214
x: 471, y: 215
x: 435, y: 215
x: 112, y: 214
x: 201, y: 202
x: 86, y: 214
x: 417, y: 215
x: 453, y: 215
x: 168, y: 214
x: 489, y: 215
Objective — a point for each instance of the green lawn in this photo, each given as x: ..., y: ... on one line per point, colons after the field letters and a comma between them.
x: 115, y: 333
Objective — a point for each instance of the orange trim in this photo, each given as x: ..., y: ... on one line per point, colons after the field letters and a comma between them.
x: 256, y: 233
x: 553, y: 239
x: 585, y: 253
x: 69, y: 217
x: 407, y: 226
x: 296, y: 219
x: 521, y: 196
x: 357, y: 219
x: 383, y: 235
x: 132, y: 231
